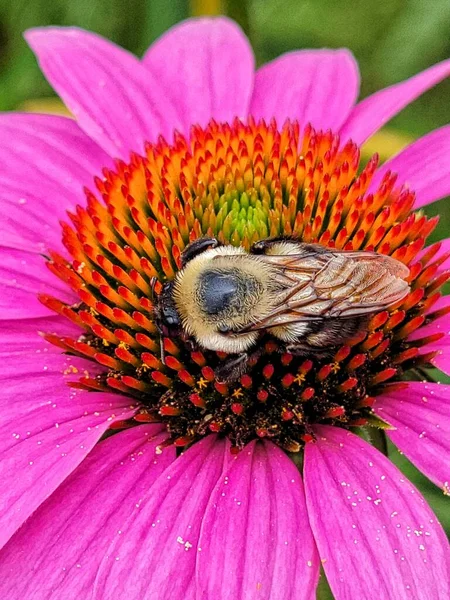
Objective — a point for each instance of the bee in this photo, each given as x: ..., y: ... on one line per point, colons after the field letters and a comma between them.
x: 310, y: 298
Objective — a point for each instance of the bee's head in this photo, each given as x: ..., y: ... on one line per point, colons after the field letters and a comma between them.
x: 167, y: 318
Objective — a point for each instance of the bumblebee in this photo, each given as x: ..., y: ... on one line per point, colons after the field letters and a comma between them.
x: 309, y: 297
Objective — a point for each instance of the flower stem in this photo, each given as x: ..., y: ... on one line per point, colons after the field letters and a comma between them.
x: 424, y: 374
x: 374, y: 436
x: 378, y: 439
x: 206, y: 7
x: 323, y: 589
x: 297, y: 459
x: 238, y: 10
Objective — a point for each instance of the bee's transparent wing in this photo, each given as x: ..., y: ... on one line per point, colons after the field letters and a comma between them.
x: 320, y: 285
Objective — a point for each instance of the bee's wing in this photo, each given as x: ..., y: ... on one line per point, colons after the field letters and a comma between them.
x: 316, y: 286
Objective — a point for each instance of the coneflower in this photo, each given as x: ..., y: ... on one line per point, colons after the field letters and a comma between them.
x: 128, y: 469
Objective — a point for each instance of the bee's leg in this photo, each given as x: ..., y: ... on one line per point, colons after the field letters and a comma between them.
x: 191, y: 344
x: 305, y: 349
x: 261, y: 246
x: 197, y: 247
x: 232, y: 368
x: 162, y: 350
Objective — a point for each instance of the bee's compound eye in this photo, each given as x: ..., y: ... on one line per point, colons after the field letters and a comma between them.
x: 217, y: 291
x: 259, y: 247
x: 170, y: 316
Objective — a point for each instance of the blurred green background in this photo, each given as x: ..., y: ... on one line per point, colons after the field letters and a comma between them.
x: 391, y: 39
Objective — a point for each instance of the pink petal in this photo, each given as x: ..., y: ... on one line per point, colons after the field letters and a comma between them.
x: 164, y: 531
x: 431, y: 181
x: 422, y: 419
x: 316, y: 86
x: 115, y: 99
x: 443, y: 250
x: 44, y: 163
x: 206, y: 67
x: 25, y: 352
x: 58, y: 550
x: 442, y: 346
x: 47, y: 428
x: 256, y: 542
x: 21, y: 338
x: 372, y: 113
x: 376, y: 535
x: 24, y: 275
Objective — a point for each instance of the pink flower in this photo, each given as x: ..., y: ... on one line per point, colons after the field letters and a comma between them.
x: 95, y: 502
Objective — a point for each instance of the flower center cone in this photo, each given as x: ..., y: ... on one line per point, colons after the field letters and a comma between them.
x: 240, y: 183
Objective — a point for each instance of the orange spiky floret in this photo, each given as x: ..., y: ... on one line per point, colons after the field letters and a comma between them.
x: 240, y: 183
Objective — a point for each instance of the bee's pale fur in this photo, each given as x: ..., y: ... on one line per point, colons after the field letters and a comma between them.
x: 202, y: 326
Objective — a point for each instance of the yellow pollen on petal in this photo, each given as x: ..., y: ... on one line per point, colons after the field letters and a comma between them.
x: 202, y: 383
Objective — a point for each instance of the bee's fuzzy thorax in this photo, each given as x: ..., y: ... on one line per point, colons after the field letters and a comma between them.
x: 253, y: 303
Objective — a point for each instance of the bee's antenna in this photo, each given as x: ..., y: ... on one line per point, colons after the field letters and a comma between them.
x: 153, y: 282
